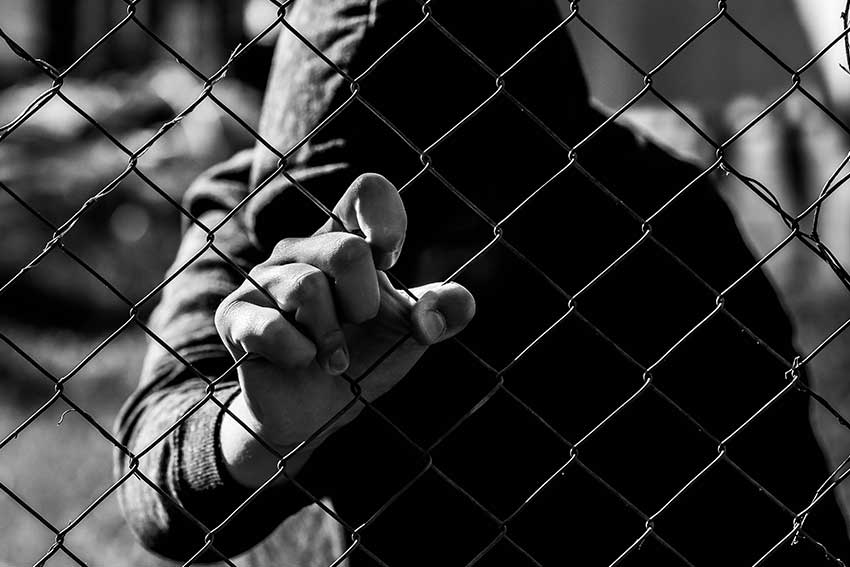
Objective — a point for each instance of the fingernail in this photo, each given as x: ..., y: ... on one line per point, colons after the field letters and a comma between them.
x: 434, y: 325
x: 338, y: 362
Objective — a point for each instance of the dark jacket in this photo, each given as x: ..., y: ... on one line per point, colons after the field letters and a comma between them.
x: 453, y: 478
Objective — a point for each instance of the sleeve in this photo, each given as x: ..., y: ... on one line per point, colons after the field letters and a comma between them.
x: 170, y: 423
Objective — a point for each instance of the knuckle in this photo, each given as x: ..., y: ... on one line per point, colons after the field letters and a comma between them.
x: 309, y: 286
x: 230, y: 306
x: 267, y: 327
x: 282, y: 249
x: 224, y: 313
x: 234, y: 325
x: 331, y: 339
x: 348, y: 251
x: 299, y: 354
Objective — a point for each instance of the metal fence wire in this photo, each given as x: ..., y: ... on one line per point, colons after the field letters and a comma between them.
x: 802, y: 227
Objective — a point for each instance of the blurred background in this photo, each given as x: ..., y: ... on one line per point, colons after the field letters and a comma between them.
x: 58, y: 313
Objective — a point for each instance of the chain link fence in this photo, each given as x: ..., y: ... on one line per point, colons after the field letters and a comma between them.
x: 802, y: 227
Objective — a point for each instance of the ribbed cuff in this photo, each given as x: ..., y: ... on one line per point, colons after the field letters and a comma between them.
x: 208, y: 491
x: 204, y: 485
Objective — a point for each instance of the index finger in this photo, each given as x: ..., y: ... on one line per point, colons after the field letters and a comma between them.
x: 372, y: 207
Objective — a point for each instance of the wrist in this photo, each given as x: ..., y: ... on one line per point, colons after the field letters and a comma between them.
x: 248, y: 461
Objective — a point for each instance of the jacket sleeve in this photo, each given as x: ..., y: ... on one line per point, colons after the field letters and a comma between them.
x: 170, y: 423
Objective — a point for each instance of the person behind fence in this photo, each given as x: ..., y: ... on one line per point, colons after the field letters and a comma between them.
x: 419, y: 471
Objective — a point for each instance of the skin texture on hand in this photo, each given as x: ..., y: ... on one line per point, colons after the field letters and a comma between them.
x: 326, y: 308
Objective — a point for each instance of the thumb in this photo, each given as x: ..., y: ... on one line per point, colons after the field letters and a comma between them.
x: 371, y: 206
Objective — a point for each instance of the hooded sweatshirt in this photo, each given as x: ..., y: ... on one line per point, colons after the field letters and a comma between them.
x: 618, y: 430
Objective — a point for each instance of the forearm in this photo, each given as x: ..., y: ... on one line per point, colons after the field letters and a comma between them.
x: 195, y: 493
x: 164, y: 518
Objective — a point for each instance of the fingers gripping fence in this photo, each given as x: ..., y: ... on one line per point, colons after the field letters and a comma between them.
x: 572, y: 160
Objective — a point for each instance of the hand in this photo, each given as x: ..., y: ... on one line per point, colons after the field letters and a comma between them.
x: 341, y: 315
